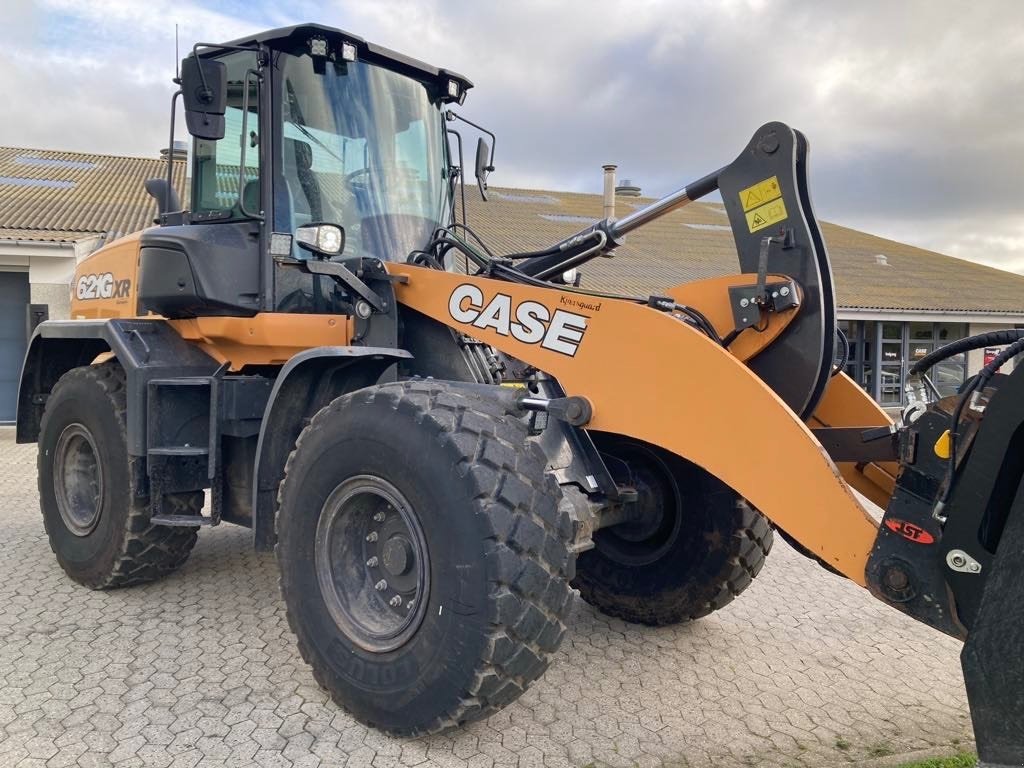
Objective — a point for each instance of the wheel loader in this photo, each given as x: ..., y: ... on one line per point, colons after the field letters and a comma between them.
x: 444, y: 444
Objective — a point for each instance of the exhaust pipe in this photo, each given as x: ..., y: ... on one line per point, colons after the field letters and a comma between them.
x: 608, y: 211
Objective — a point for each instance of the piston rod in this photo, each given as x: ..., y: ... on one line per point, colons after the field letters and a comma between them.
x: 667, y: 204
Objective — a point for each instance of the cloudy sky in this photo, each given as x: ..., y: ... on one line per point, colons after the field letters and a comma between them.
x: 914, y: 109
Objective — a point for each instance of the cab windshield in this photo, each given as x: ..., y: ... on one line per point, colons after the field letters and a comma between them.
x: 362, y: 147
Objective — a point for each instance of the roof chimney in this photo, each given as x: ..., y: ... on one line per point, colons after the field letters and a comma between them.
x: 178, y: 151
x: 627, y: 189
x: 608, y: 211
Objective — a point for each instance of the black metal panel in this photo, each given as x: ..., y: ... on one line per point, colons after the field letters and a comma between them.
x: 797, y: 365
x: 848, y: 444
x: 200, y: 269
x: 985, y: 488
x: 37, y: 313
x: 905, y: 568
x: 308, y: 382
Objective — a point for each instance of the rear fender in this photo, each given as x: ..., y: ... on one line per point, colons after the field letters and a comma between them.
x: 146, y: 349
x: 652, y: 377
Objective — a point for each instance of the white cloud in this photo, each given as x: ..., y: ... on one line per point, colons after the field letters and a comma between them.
x: 913, y: 109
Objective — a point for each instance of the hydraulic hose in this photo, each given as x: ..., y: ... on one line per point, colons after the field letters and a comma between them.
x: 844, y: 358
x: 977, y: 384
x: 992, y: 338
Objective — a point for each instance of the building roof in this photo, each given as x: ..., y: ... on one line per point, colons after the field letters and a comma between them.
x: 45, y: 235
x: 695, y: 242
x: 56, y: 194
x: 53, y: 196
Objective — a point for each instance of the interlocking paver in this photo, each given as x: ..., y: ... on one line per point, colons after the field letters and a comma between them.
x: 200, y: 669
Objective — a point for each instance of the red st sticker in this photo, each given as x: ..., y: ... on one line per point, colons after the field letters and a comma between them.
x: 910, y: 531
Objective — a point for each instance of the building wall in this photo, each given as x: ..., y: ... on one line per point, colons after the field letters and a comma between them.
x: 56, y: 296
x: 50, y: 267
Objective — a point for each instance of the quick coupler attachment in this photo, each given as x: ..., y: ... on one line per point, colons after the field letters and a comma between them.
x: 959, y: 565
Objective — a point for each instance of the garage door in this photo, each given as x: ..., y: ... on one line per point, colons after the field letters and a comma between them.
x: 13, y: 303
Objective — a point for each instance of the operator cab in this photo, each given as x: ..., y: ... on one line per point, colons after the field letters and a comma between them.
x: 298, y: 126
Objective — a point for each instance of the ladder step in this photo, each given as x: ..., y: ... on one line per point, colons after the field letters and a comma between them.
x: 184, y: 381
x: 178, y: 450
x: 181, y: 520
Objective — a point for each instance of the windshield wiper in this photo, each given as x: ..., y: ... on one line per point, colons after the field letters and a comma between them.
x: 319, y: 143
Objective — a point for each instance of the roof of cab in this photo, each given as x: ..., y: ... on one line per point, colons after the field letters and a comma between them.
x: 272, y: 36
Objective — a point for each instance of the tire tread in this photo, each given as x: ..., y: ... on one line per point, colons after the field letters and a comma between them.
x: 147, y: 552
x: 528, y: 563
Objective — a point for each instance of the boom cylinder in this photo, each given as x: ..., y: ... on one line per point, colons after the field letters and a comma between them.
x: 667, y: 204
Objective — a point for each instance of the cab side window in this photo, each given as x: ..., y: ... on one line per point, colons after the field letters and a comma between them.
x: 216, y: 192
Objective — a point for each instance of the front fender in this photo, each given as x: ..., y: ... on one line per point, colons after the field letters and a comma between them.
x: 306, y: 383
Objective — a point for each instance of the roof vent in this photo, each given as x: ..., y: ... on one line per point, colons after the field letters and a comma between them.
x: 881, y: 260
x: 627, y: 189
x: 178, y: 150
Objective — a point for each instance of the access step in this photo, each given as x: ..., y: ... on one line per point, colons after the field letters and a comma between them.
x: 181, y: 521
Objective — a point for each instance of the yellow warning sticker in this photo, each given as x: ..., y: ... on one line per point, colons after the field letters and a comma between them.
x: 766, y: 215
x: 760, y: 193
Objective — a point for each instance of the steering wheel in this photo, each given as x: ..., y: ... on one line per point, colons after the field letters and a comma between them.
x: 350, y: 177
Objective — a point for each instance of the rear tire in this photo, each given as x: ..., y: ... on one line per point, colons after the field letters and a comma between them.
x: 98, y: 527
x: 472, y: 602
x: 700, y: 547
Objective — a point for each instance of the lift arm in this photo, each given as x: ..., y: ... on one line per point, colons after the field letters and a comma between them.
x: 652, y: 377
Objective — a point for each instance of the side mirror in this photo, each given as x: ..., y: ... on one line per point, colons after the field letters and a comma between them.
x: 483, y: 165
x: 204, y: 89
x: 325, y: 240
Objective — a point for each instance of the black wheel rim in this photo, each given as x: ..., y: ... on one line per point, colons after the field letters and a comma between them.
x: 659, y: 507
x: 78, y: 479
x: 371, y: 563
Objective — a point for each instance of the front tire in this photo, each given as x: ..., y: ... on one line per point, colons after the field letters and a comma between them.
x: 423, y: 555
x: 696, y: 548
x: 97, y: 525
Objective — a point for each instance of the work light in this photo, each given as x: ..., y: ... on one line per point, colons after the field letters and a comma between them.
x: 325, y: 239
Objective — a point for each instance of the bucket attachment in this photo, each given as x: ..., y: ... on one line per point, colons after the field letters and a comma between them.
x: 950, y: 551
x: 993, y: 657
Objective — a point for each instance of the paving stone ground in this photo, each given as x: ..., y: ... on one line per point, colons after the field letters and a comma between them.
x: 805, y: 669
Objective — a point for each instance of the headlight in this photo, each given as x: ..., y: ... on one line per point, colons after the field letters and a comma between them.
x: 325, y: 239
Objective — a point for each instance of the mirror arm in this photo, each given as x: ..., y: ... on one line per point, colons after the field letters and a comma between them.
x: 462, y: 176
x: 207, y: 94
x: 494, y: 139
x: 170, y: 161
x: 245, y: 140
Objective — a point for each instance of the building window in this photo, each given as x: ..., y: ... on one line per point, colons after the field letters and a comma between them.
x: 860, y: 365
x: 900, y: 345
x: 949, y: 375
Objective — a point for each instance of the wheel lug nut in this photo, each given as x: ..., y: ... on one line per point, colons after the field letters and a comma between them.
x: 372, y: 562
x: 379, y: 517
x: 409, y: 605
x: 371, y: 536
x: 381, y: 585
x: 395, y: 601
